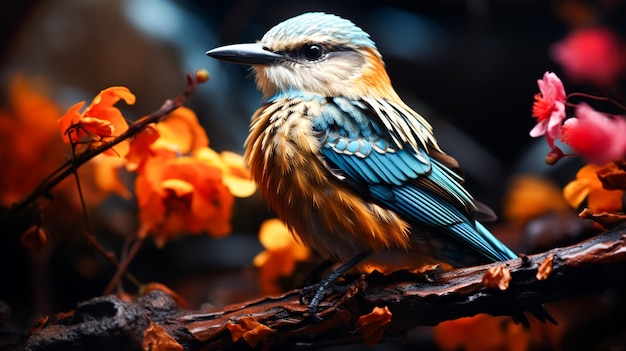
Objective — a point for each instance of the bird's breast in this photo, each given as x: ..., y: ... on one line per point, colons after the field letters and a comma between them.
x: 282, y: 151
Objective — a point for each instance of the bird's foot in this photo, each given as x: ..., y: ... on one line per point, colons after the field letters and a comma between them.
x: 314, y: 295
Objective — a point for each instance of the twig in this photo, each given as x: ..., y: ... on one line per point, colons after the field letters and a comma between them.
x: 109, y: 256
x: 121, y: 269
x: 69, y: 167
x: 606, y: 98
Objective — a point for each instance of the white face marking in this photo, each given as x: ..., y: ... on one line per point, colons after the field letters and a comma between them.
x: 330, y: 76
x: 344, y: 50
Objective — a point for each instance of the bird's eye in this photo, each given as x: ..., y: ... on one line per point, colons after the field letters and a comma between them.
x: 313, y: 52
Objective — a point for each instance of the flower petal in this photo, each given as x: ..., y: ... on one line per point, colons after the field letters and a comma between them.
x: 575, y: 192
x: 593, y: 55
x: 603, y: 200
x: 549, y: 108
x: 71, y: 117
x: 595, y: 136
x: 110, y: 96
x: 140, y: 148
x: 97, y: 127
x: 181, y: 132
x: 274, y: 235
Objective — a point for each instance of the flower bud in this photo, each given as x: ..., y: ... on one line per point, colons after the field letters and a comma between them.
x: 202, y: 75
x: 554, y: 156
x: 34, y: 238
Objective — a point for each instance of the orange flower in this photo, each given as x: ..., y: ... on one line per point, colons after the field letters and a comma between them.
x: 179, y: 134
x: 530, y: 196
x: 281, y: 254
x: 99, y: 122
x: 141, y: 148
x: 29, y: 144
x: 236, y: 176
x: 183, y: 186
x: 182, y: 195
x: 106, y: 175
x: 482, y: 332
x: 588, y: 186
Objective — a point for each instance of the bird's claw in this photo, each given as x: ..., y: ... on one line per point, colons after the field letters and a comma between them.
x: 306, y: 294
x: 314, y: 295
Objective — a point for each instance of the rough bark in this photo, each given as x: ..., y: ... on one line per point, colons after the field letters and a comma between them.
x: 413, y: 298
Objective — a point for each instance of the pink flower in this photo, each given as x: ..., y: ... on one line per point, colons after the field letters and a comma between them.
x: 594, y: 55
x: 549, y: 108
x: 595, y: 136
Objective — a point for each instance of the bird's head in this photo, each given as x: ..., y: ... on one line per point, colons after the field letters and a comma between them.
x: 313, y: 52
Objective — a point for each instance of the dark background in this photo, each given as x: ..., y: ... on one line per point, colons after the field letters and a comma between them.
x: 469, y: 66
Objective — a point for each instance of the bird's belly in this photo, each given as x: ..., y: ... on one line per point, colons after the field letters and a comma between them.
x: 349, y: 237
x: 334, y: 220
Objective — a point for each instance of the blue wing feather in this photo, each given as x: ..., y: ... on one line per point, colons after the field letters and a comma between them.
x: 402, y: 177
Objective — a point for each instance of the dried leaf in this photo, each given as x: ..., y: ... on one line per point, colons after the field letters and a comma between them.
x: 427, y: 269
x: 545, y: 268
x: 604, y: 219
x: 63, y: 315
x: 252, y: 332
x: 38, y: 325
x: 155, y: 338
x: 372, y: 325
x: 497, y: 277
x: 612, y: 177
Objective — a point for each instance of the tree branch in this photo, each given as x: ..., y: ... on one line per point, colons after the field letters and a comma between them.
x: 413, y: 299
x: 71, y: 165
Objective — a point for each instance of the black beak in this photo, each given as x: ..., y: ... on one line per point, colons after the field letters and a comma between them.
x: 252, y: 54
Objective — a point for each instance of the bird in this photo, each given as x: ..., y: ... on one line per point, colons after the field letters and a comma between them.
x: 353, y: 171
